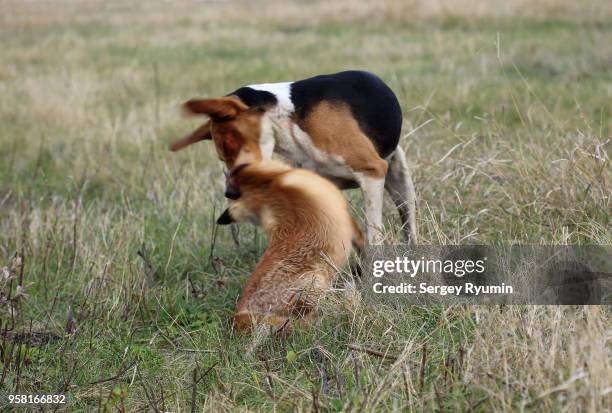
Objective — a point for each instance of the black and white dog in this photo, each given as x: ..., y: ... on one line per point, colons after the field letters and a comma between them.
x: 344, y: 126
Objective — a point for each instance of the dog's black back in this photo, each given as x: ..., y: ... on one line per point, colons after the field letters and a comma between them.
x: 372, y: 103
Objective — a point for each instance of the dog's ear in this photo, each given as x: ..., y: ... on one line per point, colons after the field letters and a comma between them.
x: 221, y: 108
x: 200, y: 134
x: 225, y: 218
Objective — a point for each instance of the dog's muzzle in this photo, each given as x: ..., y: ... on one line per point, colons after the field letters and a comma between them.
x: 232, y: 192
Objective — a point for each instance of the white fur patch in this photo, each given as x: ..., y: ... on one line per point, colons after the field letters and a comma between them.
x: 282, y: 91
x: 276, y: 121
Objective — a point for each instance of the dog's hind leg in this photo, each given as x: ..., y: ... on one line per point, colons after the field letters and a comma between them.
x: 399, y: 185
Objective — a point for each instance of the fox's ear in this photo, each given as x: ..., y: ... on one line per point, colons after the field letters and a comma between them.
x: 221, y: 108
x: 200, y: 134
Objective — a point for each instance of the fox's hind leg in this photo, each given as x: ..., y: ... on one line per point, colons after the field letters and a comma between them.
x: 399, y: 185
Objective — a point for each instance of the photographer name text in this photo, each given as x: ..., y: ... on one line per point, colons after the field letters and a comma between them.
x: 443, y: 290
x: 404, y: 266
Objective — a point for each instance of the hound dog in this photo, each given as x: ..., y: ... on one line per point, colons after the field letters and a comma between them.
x: 310, y: 234
x: 345, y: 126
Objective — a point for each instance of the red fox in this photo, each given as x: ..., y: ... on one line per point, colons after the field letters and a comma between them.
x: 310, y: 234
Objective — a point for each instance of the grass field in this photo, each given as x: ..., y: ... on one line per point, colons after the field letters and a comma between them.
x: 116, y: 288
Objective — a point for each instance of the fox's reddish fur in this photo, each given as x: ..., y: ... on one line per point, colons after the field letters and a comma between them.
x: 309, y: 230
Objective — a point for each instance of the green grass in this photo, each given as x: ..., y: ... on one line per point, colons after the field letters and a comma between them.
x: 512, y: 146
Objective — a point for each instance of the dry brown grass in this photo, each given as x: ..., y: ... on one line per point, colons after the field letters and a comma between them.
x: 508, y: 142
x: 21, y: 13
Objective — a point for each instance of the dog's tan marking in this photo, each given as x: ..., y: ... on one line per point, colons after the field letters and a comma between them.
x: 334, y: 130
x: 237, y: 139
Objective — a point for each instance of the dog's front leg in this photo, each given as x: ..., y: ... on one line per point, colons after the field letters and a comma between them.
x: 373, y: 190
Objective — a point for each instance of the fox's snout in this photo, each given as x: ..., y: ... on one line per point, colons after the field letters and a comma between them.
x: 225, y: 218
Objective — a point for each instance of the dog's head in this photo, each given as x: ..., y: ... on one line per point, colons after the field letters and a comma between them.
x: 234, y: 127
